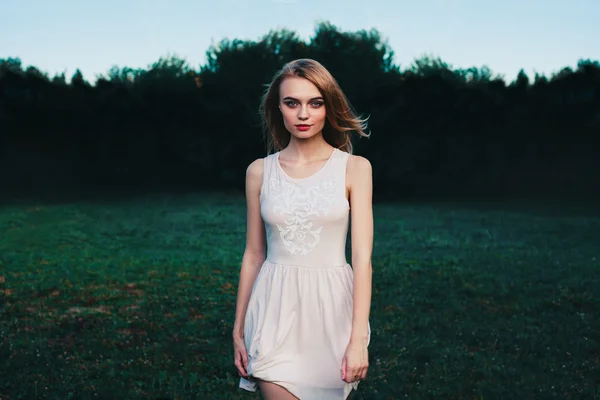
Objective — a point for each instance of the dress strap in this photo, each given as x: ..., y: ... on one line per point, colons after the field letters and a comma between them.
x: 340, y: 170
x: 267, y: 168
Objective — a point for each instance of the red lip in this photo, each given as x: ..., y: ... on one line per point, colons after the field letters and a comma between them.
x: 303, y: 126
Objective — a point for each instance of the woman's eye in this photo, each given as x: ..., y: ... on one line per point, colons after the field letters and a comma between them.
x: 294, y: 104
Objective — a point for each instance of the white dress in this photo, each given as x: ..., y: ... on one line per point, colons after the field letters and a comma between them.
x: 299, y: 316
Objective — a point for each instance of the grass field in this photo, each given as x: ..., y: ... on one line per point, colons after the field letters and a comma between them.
x: 135, y: 300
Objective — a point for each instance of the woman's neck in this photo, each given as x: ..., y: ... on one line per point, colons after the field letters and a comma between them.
x: 314, y: 148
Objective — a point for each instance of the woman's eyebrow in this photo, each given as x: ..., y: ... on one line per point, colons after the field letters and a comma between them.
x: 292, y: 98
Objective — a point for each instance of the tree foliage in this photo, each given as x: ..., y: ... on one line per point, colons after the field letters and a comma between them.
x: 435, y: 129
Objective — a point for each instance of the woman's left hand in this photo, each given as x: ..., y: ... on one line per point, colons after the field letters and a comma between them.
x: 356, y: 361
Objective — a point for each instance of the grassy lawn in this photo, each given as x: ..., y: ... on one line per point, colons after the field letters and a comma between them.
x: 135, y: 300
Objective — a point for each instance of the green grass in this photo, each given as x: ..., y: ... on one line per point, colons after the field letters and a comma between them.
x: 135, y: 299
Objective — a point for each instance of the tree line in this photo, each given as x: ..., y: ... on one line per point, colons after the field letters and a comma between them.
x: 435, y: 130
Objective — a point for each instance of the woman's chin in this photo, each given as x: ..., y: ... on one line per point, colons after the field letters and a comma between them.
x: 305, y: 135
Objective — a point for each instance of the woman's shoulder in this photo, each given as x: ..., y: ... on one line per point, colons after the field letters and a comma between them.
x: 255, y: 168
x: 358, y: 164
x: 359, y: 174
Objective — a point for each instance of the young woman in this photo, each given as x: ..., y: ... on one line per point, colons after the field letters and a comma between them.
x: 302, y: 327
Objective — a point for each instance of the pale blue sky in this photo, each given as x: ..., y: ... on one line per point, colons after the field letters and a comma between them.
x: 93, y: 35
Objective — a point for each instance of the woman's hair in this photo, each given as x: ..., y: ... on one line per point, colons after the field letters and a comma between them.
x: 340, y: 120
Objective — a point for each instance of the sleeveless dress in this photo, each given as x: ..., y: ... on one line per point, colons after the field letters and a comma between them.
x: 299, y: 316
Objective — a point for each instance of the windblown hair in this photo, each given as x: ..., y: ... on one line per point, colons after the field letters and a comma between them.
x: 340, y: 122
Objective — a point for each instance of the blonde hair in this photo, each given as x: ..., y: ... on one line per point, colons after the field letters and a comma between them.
x: 340, y: 122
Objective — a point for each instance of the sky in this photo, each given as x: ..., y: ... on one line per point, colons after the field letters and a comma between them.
x: 58, y: 36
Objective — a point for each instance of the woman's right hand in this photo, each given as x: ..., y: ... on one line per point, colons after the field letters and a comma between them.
x: 240, y: 355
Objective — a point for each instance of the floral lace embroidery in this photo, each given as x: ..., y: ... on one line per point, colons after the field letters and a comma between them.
x: 297, y: 205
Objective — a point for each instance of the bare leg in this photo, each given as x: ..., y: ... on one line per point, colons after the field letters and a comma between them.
x: 273, y: 391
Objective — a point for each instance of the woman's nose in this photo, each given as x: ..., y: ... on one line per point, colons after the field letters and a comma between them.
x: 303, y: 113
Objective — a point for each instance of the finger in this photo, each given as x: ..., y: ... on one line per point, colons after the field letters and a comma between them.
x: 239, y: 368
x: 238, y: 364
x: 359, y: 373
x: 351, y: 374
x: 245, y: 359
x: 364, y: 373
x: 344, y: 368
x: 348, y: 373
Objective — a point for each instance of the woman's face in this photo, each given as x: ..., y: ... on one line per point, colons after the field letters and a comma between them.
x: 302, y: 107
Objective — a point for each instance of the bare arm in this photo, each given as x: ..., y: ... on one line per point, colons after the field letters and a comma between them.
x: 361, y: 195
x: 254, y: 253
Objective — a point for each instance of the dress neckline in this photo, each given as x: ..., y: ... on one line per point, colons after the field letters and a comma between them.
x: 335, y: 149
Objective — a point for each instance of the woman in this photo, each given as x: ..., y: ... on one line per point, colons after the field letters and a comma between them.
x: 302, y: 327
